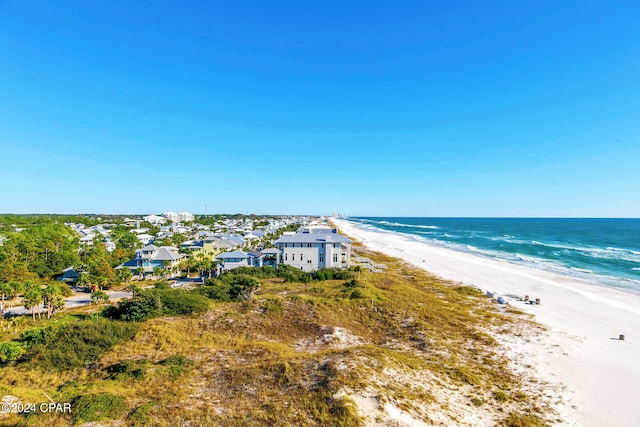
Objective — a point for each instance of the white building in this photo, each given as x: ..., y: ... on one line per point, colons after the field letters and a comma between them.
x: 171, y: 216
x: 313, y: 248
x: 156, y: 220
x: 230, y: 260
x: 179, y: 217
x: 185, y: 217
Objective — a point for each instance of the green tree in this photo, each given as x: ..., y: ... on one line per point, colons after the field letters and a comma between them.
x: 99, y: 296
x: 140, y: 271
x: 52, y: 298
x: 124, y: 275
x: 134, y: 289
x: 32, y: 299
x: 6, y: 290
x: 158, y: 272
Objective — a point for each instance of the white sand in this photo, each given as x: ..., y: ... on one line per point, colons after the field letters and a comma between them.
x: 600, y: 374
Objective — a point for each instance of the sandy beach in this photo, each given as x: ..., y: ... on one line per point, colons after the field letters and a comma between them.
x: 581, y: 358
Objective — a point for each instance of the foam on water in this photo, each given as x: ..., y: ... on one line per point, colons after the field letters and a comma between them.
x: 605, y: 251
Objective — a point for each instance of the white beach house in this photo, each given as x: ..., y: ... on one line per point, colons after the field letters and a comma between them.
x: 313, y: 248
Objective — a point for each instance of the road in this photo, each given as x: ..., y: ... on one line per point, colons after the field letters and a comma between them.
x: 78, y: 300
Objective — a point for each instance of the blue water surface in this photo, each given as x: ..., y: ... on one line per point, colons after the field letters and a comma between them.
x: 605, y: 251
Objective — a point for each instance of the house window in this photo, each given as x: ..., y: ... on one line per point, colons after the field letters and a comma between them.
x: 321, y: 257
x: 308, y: 261
x: 293, y: 257
x: 286, y: 256
x: 335, y: 257
x: 300, y: 257
x: 308, y: 245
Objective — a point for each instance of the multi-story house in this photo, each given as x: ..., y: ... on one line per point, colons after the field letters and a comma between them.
x: 313, y: 248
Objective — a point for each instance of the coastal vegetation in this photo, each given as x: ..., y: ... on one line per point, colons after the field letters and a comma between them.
x: 266, y: 347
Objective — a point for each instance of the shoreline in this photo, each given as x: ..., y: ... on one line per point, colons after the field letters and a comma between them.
x: 580, y: 355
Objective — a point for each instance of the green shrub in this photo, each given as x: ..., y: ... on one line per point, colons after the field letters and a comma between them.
x: 230, y: 287
x: 500, y: 396
x: 265, y: 272
x: 176, y: 364
x: 181, y: 302
x: 79, y: 344
x: 31, y: 337
x: 523, y: 420
x: 158, y: 302
x: 137, y: 309
x: 99, y: 407
x: 140, y: 416
x: 126, y: 369
x: 11, y: 351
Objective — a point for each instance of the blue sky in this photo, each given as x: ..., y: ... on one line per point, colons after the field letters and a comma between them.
x: 367, y: 108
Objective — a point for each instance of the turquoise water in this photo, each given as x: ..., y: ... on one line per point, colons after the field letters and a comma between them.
x: 605, y: 251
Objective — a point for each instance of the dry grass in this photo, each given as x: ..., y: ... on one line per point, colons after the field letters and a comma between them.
x: 296, y: 353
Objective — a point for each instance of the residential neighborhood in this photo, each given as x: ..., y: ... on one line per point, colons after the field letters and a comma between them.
x: 172, y: 246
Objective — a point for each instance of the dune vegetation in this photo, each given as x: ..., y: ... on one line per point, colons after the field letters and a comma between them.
x: 261, y: 347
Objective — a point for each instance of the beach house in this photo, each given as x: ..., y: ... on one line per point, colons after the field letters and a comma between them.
x: 230, y: 260
x: 312, y: 248
x: 152, y: 256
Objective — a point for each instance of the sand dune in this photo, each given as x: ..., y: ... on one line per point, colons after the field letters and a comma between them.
x: 581, y: 357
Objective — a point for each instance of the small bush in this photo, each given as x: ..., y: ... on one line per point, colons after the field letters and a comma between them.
x: 176, y: 364
x: 500, y: 396
x: 156, y: 303
x: 523, y: 420
x: 129, y: 369
x: 351, y: 284
x: 140, y: 416
x: 31, y: 337
x: 230, y: 287
x: 99, y: 407
x: 477, y: 401
x: 11, y: 351
x: 469, y: 290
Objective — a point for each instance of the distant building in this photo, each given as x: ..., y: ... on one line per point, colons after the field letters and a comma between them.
x: 313, y: 248
x: 155, y: 220
x: 171, y: 216
x: 179, y: 217
x: 185, y: 217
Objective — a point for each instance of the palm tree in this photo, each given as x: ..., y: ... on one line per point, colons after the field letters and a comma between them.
x: 124, y: 275
x: 52, y: 298
x: 140, y: 271
x: 32, y: 298
x: 158, y: 271
x: 134, y: 289
x: 99, y: 296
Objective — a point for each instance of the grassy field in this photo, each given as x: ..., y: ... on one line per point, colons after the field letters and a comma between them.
x: 380, y: 347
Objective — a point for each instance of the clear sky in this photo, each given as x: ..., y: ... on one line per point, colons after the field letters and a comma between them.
x: 406, y: 108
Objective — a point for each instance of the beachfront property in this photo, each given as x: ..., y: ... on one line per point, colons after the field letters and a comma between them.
x: 151, y: 256
x: 230, y: 260
x: 313, y: 248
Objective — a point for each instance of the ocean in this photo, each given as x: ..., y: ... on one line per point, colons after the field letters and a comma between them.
x: 603, y: 251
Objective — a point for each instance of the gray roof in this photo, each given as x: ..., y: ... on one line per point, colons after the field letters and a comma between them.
x: 313, y: 238
x: 234, y: 254
x: 165, y: 253
x: 150, y: 248
x: 270, y: 251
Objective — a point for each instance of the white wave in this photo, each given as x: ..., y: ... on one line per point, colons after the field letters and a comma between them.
x: 583, y: 270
